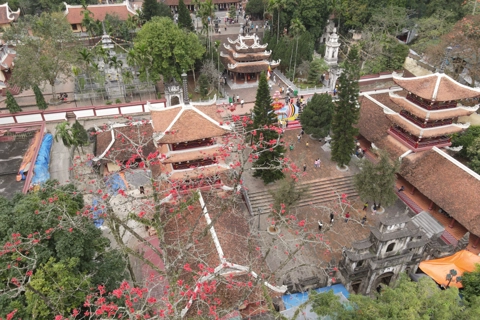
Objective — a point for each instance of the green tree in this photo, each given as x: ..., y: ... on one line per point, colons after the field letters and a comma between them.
x: 171, y: 49
x: 67, y: 293
x: 317, y: 115
x: 347, y: 110
x: 203, y: 82
x: 47, y: 54
x: 75, y: 136
x: 256, y: 8
x: 150, y: 9
x: 465, y: 139
x: 297, y: 29
x: 41, y: 104
x: 431, y: 29
x: 12, y: 104
x: 184, y: 19
x: 232, y: 12
x: 268, y: 165
x: 471, y: 284
x: 473, y: 153
x: 317, y: 68
x: 376, y: 181
x: 52, y: 235
x: 405, y: 300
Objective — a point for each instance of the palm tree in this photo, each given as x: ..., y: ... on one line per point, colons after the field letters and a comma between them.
x: 63, y: 131
x: 297, y: 29
x: 145, y: 59
x: 277, y: 5
x: 207, y: 9
x: 117, y: 65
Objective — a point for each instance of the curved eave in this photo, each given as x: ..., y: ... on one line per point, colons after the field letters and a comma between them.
x: 424, y: 132
x: 437, y: 87
x: 246, y: 56
x: 432, y: 114
x: 247, y: 67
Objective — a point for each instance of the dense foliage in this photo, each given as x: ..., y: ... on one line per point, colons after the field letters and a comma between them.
x: 347, y: 110
x: 270, y: 152
x: 60, y: 255
x: 405, y: 300
x: 317, y: 115
x: 376, y: 181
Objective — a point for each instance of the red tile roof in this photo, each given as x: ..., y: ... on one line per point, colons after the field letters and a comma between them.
x: 74, y: 14
x: 7, y: 15
x: 437, y: 86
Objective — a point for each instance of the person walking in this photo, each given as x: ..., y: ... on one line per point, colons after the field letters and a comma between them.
x: 331, y: 217
x: 306, y: 144
x: 320, y: 225
x: 401, y: 189
x: 364, y: 219
x: 319, y: 163
x: 365, y: 206
x: 304, y: 167
x: 241, y: 103
x: 347, y: 217
x: 238, y: 98
x: 315, y: 163
x: 302, y: 132
x: 299, y: 137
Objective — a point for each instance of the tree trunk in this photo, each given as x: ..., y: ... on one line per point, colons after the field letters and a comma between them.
x: 52, y: 83
x: 278, y: 24
x: 295, y: 62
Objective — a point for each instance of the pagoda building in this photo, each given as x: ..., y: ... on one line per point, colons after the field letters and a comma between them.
x: 245, y: 58
x: 430, y: 106
x: 190, y: 138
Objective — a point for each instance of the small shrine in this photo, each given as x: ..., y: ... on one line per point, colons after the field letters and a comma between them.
x: 245, y: 58
x: 429, y: 110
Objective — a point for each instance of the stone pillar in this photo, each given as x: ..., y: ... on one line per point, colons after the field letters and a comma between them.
x: 475, y: 244
x: 186, y: 99
x: 413, y: 191
x: 452, y: 223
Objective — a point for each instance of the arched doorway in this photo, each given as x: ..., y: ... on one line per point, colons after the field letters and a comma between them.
x: 383, y: 279
x: 174, y: 100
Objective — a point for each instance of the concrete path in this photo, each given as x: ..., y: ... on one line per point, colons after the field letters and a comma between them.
x: 60, y: 159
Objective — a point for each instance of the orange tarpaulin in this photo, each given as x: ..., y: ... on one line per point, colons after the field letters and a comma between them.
x: 439, y: 268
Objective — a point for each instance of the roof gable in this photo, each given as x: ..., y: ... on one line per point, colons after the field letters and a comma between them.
x: 437, y: 87
x: 7, y: 15
x: 74, y: 13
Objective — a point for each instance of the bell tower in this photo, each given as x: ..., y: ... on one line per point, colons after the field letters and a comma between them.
x: 331, y: 49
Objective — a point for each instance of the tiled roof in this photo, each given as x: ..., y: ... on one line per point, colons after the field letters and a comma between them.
x: 129, y: 140
x: 438, y: 87
x: 162, y: 119
x: 424, y: 132
x: 193, y: 155
x: 7, y: 15
x: 74, y: 13
x: 188, y: 122
x: 450, y: 187
x: 431, y: 114
x: 189, y: 2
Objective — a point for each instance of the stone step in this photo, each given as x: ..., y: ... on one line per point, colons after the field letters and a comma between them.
x: 316, y: 182
x: 320, y: 191
x: 311, y: 188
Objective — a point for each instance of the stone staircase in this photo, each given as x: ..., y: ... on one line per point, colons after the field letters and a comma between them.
x: 319, y: 191
x: 237, y: 125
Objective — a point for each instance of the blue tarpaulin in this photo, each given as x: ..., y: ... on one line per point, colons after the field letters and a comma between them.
x: 296, y: 299
x: 40, y: 171
x: 114, y: 183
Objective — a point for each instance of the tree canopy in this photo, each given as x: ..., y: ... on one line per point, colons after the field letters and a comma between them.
x: 184, y: 19
x: 45, y: 55
x: 64, y: 254
x: 405, y: 300
x: 347, y: 110
x: 153, y: 8
x: 376, y: 181
x: 270, y: 151
x: 317, y: 115
x: 171, y: 49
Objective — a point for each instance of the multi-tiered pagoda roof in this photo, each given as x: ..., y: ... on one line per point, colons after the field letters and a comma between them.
x: 429, y: 108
